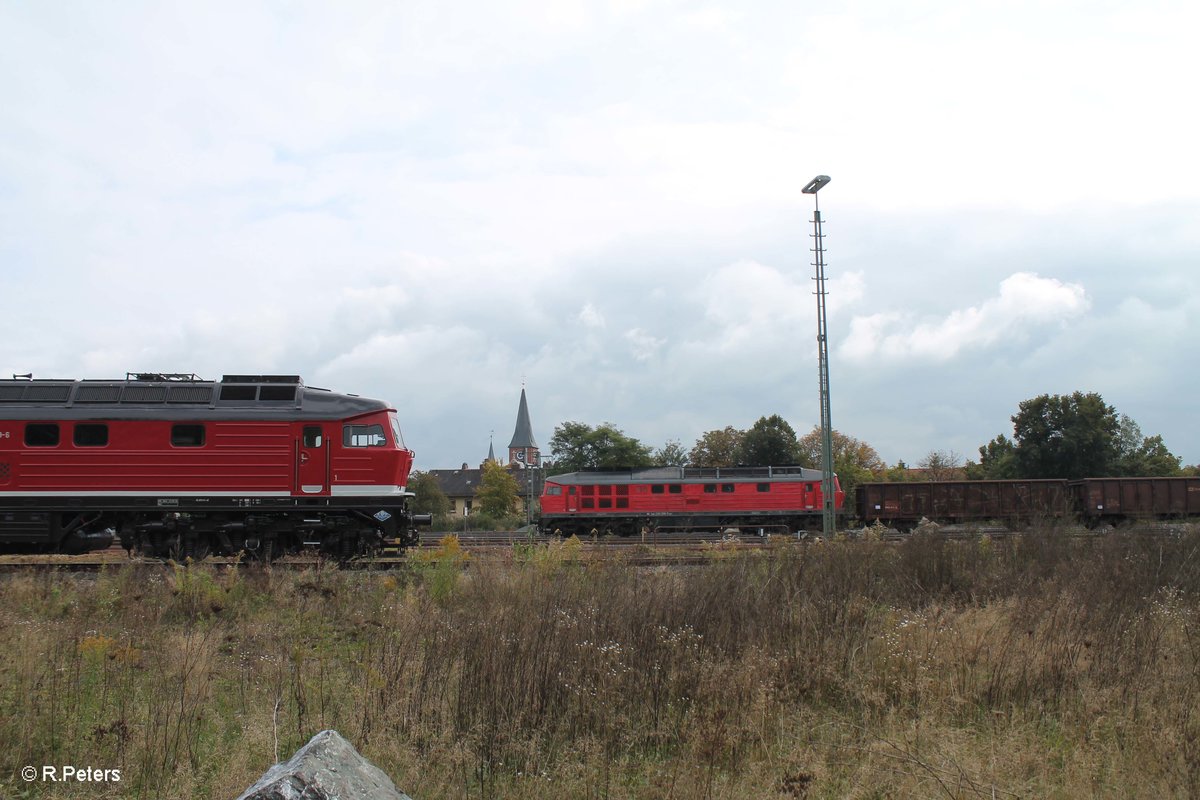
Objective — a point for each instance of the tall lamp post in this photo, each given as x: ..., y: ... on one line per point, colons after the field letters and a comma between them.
x: 828, y: 520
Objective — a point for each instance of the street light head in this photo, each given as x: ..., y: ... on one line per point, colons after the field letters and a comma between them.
x: 815, y: 184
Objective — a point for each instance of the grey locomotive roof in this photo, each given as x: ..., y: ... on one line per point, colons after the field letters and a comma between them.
x: 523, y: 435
x: 141, y: 396
x: 689, y: 475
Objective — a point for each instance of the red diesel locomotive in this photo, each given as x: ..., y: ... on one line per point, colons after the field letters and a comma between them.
x: 750, y: 499
x: 180, y: 467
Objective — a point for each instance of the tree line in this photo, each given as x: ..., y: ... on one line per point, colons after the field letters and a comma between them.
x: 1053, y: 436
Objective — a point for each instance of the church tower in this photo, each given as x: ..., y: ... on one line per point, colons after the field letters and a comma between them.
x: 523, y: 450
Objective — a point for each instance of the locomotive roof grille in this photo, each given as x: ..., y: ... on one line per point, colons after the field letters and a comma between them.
x: 140, y: 394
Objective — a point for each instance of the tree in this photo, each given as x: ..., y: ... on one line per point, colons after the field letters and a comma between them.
x: 1146, y: 456
x: 769, y: 441
x: 941, y: 465
x: 897, y: 473
x: 854, y: 460
x: 1073, y: 436
x: 671, y: 454
x: 430, y: 499
x: 1066, y: 436
x: 997, y: 461
x: 576, y: 446
x: 498, y: 491
x: 717, y: 448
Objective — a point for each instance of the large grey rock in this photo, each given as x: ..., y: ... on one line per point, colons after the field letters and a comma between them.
x: 327, y: 768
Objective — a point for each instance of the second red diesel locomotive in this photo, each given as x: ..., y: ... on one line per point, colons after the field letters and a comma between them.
x: 625, y: 502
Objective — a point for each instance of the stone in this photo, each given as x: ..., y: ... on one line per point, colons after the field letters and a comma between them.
x: 327, y: 768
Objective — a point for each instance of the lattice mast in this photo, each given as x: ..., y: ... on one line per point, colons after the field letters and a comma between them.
x: 828, y: 518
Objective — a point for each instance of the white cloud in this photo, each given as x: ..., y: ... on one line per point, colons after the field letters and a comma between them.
x: 590, y: 316
x: 642, y: 345
x: 1025, y: 303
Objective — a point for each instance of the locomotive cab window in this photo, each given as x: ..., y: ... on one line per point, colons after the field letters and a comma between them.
x: 41, y: 434
x: 363, y: 436
x: 396, y: 431
x: 312, y: 436
x: 187, y: 436
x: 91, y: 435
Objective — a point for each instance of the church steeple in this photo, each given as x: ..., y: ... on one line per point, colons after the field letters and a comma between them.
x: 523, y: 449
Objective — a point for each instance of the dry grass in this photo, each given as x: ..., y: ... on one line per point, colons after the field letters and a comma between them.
x: 1039, y: 667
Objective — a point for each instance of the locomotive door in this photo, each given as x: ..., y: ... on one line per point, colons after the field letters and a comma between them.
x: 312, y: 461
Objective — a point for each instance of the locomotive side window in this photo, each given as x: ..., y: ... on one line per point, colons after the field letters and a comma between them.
x: 363, y: 436
x: 187, y: 436
x: 674, y: 488
x: 764, y: 487
x: 727, y: 488
x: 710, y: 488
x: 312, y: 436
x: 41, y: 434
x: 91, y: 435
x: 656, y: 489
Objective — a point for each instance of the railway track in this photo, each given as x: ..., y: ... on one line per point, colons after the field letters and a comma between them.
x: 672, y: 548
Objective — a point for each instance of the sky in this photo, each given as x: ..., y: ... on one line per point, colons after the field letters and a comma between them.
x: 436, y: 204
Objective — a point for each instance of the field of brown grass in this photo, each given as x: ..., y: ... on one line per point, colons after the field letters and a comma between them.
x: 1039, y: 666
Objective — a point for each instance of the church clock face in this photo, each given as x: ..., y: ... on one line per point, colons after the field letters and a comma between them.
x: 521, y: 456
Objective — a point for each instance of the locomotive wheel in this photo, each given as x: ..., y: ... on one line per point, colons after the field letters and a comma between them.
x: 197, y: 549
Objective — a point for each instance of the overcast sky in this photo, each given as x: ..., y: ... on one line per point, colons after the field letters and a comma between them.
x: 431, y: 202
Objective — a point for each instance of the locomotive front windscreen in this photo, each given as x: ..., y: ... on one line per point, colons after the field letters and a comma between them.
x: 396, y: 431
